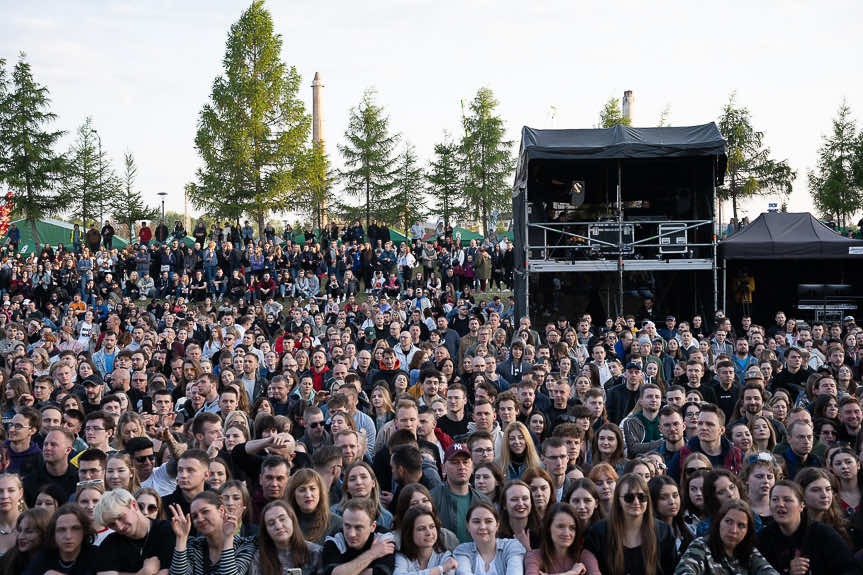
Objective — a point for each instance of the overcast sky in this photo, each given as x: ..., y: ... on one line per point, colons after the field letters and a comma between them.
x: 143, y: 69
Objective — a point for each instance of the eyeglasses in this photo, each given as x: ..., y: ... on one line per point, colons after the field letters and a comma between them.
x: 631, y: 497
x: 481, y: 450
x: 19, y: 426
x: 145, y: 458
x: 89, y: 483
x: 691, y: 470
x: 315, y: 424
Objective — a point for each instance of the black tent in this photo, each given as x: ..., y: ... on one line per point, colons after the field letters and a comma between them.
x: 782, y: 252
x: 789, y: 236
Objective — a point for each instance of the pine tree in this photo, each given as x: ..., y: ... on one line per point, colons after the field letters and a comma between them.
x: 29, y: 166
x: 253, y: 135
x: 751, y: 171
x: 128, y: 206
x: 487, y: 159
x: 367, y: 155
x: 835, y: 191
x: 612, y: 115
x: 318, y: 188
x: 444, y: 180
x: 83, y: 177
x: 409, y: 203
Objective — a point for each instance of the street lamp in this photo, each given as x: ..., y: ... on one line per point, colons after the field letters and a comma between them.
x: 101, y: 191
x: 162, y: 195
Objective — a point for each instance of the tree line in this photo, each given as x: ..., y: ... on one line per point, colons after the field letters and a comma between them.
x: 253, y: 138
x: 80, y: 182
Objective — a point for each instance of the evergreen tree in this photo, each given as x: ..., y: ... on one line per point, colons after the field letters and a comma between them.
x: 318, y: 187
x: 252, y: 136
x: 487, y: 159
x: 29, y: 166
x: 83, y: 177
x: 444, y: 180
x: 611, y: 115
x: 751, y: 171
x: 409, y: 203
x: 835, y: 191
x: 128, y: 206
x: 367, y: 155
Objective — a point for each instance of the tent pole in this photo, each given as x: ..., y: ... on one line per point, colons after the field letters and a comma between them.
x: 620, y: 236
x: 715, y: 273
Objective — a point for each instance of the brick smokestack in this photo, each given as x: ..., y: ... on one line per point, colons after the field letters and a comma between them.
x: 628, y: 105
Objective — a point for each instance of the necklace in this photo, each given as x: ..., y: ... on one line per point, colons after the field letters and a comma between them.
x: 66, y: 565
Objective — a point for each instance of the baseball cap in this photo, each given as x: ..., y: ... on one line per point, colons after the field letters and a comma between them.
x: 848, y: 318
x: 455, y: 449
x: 670, y: 318
x: 633, y: 365
x: 91, y: 380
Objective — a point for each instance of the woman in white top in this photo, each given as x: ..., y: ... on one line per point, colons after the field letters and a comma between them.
x: 486, y: 554
x: 422, y: 551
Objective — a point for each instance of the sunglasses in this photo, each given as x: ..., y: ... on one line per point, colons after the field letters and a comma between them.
x: 151, y: 508
x: 631, y: 497
x: 315, y: 424
x: 145, y: 458
x: 691, y: 470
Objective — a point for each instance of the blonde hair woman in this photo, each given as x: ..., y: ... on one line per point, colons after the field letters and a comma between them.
x: 517, y: 451
x: 129, y: 425
x: 120, y: 473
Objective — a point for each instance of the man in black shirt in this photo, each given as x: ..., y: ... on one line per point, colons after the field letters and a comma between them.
x: 137, y: 541
x: 454, y: 422
x: 54, y: 467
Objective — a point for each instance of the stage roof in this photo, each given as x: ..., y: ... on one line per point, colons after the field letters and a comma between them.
x: 621, y: 142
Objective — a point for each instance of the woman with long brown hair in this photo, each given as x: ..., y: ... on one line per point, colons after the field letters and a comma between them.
x: 422, y: 548
x: 518, y: 516
x: 31, y: 535
x: 281, y: 543
x: 560, y: 550
x: 309, y: 499
x: 820, y: 493
x: 631, y: 540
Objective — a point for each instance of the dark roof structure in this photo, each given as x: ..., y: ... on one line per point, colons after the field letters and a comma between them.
x: 777, y: 236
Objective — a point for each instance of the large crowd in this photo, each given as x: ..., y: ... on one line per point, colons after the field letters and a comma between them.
x: 335, y: 403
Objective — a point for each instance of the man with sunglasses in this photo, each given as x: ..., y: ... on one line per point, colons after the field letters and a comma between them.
x: 161, y: 478
x: 316, y: 435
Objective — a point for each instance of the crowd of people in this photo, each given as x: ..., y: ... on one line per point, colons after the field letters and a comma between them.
x: 418, y: 429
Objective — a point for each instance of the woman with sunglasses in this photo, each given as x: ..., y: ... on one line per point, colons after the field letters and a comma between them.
x: 150, y: 503
x: 631, y: 540
x: 729, y: 548
x: 795, y: 544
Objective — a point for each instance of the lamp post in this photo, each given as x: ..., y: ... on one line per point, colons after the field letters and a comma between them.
x: 162, y: 195
x: 101, y: 191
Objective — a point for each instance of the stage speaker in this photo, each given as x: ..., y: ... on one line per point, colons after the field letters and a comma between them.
x: 675, y: 242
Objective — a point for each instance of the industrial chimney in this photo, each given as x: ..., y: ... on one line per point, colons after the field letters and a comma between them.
x: 628, y: 103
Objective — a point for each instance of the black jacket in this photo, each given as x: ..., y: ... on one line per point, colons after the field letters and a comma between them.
x: 827, y: 552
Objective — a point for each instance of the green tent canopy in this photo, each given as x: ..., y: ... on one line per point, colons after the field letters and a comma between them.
x: 51, y: 231
x: 467, y: 235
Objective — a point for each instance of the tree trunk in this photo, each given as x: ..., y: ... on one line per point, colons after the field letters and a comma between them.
x: 734, y: 207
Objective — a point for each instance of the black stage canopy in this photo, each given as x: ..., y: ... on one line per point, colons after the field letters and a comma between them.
x: 777, y: 236
x: 621, y: 142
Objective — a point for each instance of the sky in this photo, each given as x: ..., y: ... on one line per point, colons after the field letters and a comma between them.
x: 144, y: 69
